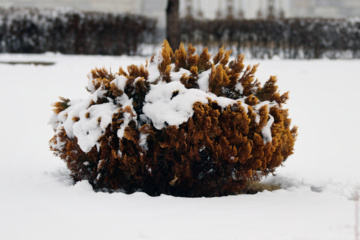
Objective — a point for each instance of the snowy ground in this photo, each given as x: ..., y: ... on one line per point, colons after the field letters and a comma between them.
x: 38, y: 200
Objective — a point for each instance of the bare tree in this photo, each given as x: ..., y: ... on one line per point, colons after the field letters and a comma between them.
x: 172, y: 23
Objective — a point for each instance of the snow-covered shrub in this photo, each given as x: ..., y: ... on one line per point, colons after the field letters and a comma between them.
x: 183, y: 124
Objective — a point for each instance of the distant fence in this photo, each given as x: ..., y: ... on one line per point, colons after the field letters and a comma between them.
x: 287, y: 38
x: 36, y: 31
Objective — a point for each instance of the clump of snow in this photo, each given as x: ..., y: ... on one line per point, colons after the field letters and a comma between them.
x: 154, y: 74
x: 163, y: 108
x: 203, y: 80
x: 89, y: 130
x: 127, y: 119
x: 266, y: 131
x: 93, y: 120
x: 143, y: 143
x: 239, y: 87
x: 172, y: 103
x: 120, y: 82
x: 176, y: 76
x: 82, y: 187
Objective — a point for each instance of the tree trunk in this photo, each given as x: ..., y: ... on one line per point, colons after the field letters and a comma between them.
x: 172, y: 24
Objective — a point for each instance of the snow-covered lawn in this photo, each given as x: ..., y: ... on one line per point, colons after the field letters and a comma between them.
x: 39, y: 201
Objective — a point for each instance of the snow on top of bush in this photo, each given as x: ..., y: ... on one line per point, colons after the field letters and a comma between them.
x: 164, y: 107
x: 88, y: 128
x: 166, y: 104
x: 172, y: 103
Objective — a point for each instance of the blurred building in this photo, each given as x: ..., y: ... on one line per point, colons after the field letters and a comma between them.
x: 206, y: 8
x: 326, y: 8
x: 151, y: 8
x: 290, y: 8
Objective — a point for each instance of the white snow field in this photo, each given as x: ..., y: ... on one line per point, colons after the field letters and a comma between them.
x: 39, y: 201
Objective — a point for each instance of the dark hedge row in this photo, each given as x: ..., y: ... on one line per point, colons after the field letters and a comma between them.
x: 289, y: 38
x: 36, y: 31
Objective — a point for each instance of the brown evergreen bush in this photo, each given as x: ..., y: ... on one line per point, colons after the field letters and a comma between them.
x: 236, y: 133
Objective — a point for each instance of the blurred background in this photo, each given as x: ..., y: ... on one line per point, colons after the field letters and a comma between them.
x: 256, y: 28
x: 318, y: 181
x: 206, y: 8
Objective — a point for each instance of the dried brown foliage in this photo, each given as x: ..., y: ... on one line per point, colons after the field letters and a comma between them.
x: 218, y: 151
x: 61, y: 105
